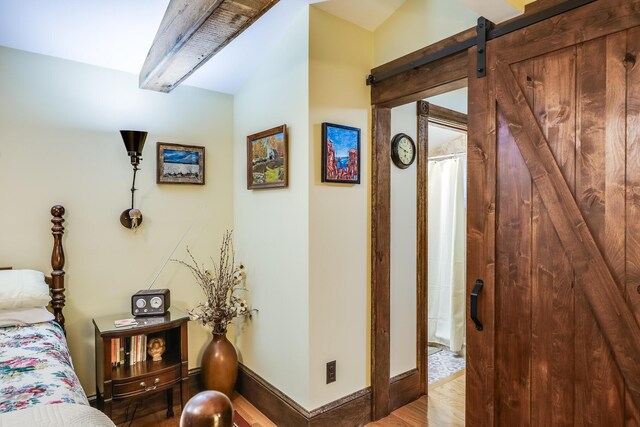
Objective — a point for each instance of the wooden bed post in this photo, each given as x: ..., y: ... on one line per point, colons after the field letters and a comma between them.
x: 57, y: 263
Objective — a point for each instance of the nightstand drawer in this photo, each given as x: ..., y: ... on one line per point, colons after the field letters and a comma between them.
x: 146, y: 384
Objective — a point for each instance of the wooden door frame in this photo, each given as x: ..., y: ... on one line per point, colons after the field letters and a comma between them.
x: 443, y: 117
x: 436, y: 78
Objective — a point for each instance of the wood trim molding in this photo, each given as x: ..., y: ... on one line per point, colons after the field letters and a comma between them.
x: 380, y: 261
x: 441, y: 116
x: 277, y: 406
x: 348, y: 411
x: 438, y: 77
x: 422, y: 245
x: 404, y: 389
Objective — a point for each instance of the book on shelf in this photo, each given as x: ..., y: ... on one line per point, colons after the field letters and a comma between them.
x: 129, y: 350
x: 116, y: 352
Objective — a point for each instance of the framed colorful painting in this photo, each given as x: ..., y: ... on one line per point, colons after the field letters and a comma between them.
x: 180, y: 164
x: 340, y: 154
x: 267, y: 159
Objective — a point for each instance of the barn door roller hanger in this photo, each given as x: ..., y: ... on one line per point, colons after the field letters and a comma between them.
x: 485, y: 31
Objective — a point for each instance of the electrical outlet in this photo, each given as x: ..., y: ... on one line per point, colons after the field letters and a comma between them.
x: 331, y: 371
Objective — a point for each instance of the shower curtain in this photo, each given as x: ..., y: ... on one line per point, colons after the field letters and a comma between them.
x: 447, y: 240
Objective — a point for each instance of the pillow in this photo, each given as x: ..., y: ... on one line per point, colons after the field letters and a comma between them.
x: 25, y: 316
x: 23, y: 289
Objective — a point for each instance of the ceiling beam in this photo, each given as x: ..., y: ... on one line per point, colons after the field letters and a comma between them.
x: 191, y: 32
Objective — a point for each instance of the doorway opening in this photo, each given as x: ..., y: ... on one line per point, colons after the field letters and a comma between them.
x: 428, y: 251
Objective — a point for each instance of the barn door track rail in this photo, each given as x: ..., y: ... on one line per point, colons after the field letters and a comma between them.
x: 485, y: 31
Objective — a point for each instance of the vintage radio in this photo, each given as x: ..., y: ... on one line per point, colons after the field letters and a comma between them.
x: 150, y: 302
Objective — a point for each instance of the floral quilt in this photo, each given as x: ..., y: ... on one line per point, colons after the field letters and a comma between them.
x: 36, y: 368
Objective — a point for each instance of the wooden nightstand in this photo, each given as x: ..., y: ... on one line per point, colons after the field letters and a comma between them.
x: 143, y: 378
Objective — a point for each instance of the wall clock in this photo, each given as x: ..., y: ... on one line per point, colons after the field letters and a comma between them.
x: 403, y: 150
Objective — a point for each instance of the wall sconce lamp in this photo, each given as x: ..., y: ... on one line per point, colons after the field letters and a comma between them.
x: 133, y: 142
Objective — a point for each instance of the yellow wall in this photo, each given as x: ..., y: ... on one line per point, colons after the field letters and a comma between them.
x: 272, y: 225
x: 59, y: 143
x: 419, y: 23
x: 340, y: 56
x: 520, y: 4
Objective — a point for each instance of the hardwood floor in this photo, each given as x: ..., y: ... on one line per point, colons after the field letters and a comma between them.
x: 443, y: 408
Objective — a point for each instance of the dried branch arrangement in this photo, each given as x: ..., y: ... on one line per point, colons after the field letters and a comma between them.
x: 221, y: 287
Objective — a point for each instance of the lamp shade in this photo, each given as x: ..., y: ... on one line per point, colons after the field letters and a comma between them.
x: 134, y: 140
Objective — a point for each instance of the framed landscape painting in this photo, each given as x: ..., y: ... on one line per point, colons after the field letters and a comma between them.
x: 340, y: 154
x: 180, y: 164
x: 267, y: 159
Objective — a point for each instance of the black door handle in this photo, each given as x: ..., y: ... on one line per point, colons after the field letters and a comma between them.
x: 475, y: 293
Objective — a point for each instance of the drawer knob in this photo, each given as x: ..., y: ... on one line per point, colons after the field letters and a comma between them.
x: 153, y: 387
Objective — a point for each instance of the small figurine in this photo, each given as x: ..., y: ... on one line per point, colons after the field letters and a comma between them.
x: 156, y: 348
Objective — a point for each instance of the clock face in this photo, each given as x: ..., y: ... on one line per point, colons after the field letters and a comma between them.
x: 406, y: 151
x: 403, y: 150
x: 156, y: 302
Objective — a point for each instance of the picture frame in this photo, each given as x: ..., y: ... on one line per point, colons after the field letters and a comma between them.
x: 268, y: 159
x: 340, y: 154
x: 180, y: 164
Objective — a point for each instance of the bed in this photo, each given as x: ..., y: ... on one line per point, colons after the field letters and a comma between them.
x: 38, y: 385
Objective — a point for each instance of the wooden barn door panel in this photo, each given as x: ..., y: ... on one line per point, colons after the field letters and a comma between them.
x: 600, y: 184
x: 562, y: 344
x: 481, y: 218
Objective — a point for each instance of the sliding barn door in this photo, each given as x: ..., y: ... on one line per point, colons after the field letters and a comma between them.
x: 554, y: 223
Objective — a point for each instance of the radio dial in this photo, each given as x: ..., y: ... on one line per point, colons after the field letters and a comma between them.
x: 141, y: 303
x: 156, y: 302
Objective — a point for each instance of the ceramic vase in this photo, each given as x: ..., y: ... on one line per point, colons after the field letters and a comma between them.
x: 220, y: 365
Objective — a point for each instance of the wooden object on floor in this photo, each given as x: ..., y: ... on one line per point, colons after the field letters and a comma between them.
x: 220, y: 365
x: 206, y: 409
x: 139, y: 380
x: 241, y: 405
x: 190, y: 33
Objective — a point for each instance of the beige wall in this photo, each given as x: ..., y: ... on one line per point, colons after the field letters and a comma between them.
x: 59, y: 143
x: 272, y: 225
x: 340, y: 56
x: 403, y: 250
x: 419, y: 23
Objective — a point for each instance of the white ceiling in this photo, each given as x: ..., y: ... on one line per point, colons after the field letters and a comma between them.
x: 117, y: 34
